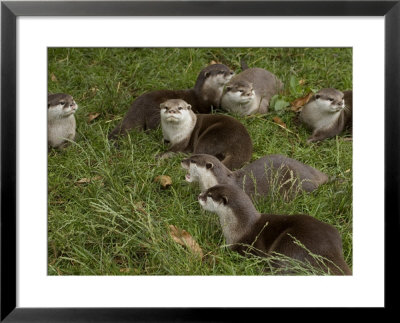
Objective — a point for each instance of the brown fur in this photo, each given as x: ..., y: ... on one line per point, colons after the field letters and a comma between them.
x: 261, y: 176
x: 221, y: 136
x: 144, y: 113
x: 266, y: 234
x: 343, y: 122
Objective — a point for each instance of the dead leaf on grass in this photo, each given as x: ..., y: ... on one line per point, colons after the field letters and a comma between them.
x: 214, y: 62
x: 297, y: 104
x: 279, y: 121
x: 183, y: 238
x: 302, y: 81
x: 92, y: 116
x: 164, y: 180
x: 125, y: 270
x: 53, y: 77
x: 86, y: 180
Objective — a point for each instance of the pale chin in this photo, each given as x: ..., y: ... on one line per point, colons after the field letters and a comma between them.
x: 172, y: 119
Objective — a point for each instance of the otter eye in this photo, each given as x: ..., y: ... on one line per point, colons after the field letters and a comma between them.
x: 62, y: 103
x: 241, y: 91
x: 192, y: 161
x: 180, y: 108
x: 330, y: 99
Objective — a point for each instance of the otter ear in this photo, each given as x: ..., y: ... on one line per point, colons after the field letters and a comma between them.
x: 209, y: 165
x: 228, y: 88
x: 189, y: 107
x: 162, y: 105
x: 225, y: 200
x: 317, y: 96
x: 207, y: 74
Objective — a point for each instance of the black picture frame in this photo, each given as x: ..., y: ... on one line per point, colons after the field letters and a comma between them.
x: 10, y: 10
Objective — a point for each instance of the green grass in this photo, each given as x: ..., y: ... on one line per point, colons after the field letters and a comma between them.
x: 118, y: 224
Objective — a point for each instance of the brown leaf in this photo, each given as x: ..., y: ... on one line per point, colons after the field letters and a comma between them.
x: 279, y: 121
x: 53, y: 77
x: 185, y: 239
x: 125, y: 270
x: 92, y: 116
x: 214, y: 62
x: 164, y: 180
x: 86, y: 180
x: 139, y: 206
x: 302, y: 81
x: 300, y: 102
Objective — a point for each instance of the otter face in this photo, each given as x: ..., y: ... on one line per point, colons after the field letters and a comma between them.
x: 216, y: 76
x: 242, y: 92
x: 200, y: 169
x: 175, y: 110
x: 60, y: 105
x: 330, y: 100
x: 214, y: 201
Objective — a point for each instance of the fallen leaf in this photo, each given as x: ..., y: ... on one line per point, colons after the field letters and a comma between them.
x: 92, y: 116
x: 214, y: 62
x: 302, y: 81
x: 279, y: 121
x: 347, y: 171
x: 164, y: 180
x: 53, y: 77
x: 86, y: 180
x: 125, y: 270
x: 183, y: 238
x: 139, y: 206
x: 300, y: 102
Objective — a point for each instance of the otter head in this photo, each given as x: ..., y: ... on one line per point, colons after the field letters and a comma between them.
x: 211, y: 81
x: 330, y: 100
x: 207, y: 170
x: 240, y: 92
x: 175, y: 110
x: 235, y: 210
x: 60, y: 105
x: 216, y: 75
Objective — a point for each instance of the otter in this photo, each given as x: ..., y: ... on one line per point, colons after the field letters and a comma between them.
x: 61, y: 123
x: 221, y: 136
x: 258, y: 178
x: 247, y: 231
x: 250, y: 91
x: 144, y: 113
x: 328, y: 113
